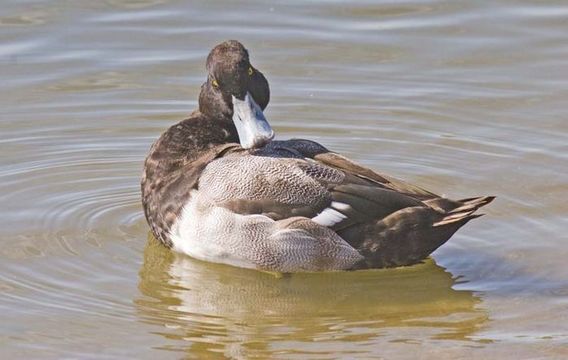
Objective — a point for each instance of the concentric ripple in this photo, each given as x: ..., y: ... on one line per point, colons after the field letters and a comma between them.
x: 74, y: 192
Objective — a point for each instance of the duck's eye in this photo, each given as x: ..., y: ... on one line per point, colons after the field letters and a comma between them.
x: 250, y: 71
x: 215, y: 83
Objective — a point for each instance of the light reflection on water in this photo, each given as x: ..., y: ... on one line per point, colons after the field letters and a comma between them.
x: 211, y: 306
x: 462, y: 98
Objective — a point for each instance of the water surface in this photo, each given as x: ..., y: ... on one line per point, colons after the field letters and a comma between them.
x: 463, y: 98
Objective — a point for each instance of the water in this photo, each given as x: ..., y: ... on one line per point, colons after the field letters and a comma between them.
x: 463, y: 98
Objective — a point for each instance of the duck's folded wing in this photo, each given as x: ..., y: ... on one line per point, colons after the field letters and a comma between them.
x: 341, y: 162
x: 319, y: 153
x: 281, y: 188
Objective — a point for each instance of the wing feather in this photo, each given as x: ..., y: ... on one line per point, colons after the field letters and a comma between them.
x: 281, y: 187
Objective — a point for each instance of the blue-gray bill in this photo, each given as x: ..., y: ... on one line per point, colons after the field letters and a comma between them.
x: 253, y: 128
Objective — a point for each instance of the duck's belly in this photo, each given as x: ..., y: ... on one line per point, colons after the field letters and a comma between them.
x: 215, y: 234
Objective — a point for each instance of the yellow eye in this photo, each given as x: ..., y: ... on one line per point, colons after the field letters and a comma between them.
x: 215, y: 83
x: 251, y: 71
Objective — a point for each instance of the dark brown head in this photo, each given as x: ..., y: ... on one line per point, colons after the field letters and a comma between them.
x: 236, y: 90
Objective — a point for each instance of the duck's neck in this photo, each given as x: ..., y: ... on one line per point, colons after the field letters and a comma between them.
x: 208, y: 126
x: 213, y: 105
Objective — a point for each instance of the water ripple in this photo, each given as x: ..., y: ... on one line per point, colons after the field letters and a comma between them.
x: 462, y: 98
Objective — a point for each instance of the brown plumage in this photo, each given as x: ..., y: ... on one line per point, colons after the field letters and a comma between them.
x: 282, y: 205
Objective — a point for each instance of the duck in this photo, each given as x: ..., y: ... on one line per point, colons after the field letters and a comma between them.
x: 218, y: 187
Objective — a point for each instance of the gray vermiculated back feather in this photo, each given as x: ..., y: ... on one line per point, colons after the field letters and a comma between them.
x: 287, y: 181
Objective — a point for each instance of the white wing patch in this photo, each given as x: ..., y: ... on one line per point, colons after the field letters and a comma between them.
x: 340, y: 206
x: 330, y: 215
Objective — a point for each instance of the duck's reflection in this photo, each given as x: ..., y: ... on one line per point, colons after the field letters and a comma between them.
x: 238, y: 312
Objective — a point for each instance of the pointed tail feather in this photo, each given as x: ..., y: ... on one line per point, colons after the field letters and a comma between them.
x: 478, y: 201
x: 465, y: 211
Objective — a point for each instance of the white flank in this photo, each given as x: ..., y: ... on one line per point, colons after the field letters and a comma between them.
x: 211, y: 233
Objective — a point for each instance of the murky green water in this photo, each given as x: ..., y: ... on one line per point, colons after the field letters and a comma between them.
x: 463, y: 98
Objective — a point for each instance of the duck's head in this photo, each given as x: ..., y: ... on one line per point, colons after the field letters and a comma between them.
x: 235, y: 90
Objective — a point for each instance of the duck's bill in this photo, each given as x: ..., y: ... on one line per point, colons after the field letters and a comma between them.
x: 253, y: 128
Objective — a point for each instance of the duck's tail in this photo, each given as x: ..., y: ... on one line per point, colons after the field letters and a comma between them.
x: 465, y: 210
x: 409, y: 235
